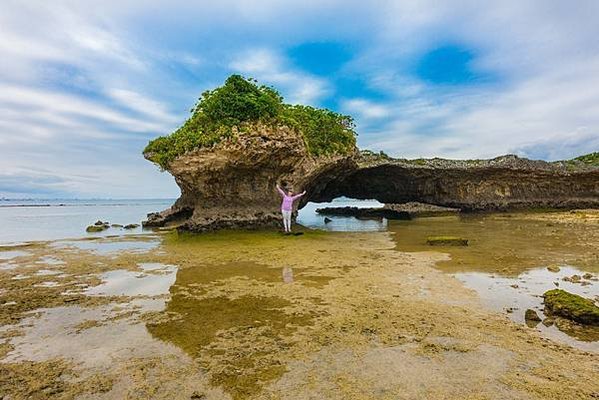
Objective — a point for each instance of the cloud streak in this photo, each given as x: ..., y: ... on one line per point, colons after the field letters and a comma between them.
x: 84, y: 86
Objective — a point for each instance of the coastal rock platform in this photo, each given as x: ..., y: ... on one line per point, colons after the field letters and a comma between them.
x: 232, y: 184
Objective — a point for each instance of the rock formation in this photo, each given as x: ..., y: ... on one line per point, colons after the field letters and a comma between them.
x: 232, y: 183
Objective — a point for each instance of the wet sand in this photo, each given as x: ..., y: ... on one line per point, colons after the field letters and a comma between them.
x: 212, y: 317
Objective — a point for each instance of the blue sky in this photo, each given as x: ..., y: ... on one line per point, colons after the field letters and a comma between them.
x: 85, y: 85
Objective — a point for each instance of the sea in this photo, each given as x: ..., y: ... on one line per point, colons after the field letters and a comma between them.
x: 29, y: 220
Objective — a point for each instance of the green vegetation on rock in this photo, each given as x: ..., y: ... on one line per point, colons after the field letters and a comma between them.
x: 241, y: 101
x: 591, y: 158
x: 571, y: 306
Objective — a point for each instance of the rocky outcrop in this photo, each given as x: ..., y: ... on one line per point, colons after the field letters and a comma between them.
x: 506, y: 182
x: 364, y: 212
x: 391, y: 211
x: 232, y: 184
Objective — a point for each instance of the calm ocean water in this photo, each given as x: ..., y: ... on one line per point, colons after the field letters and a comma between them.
x: 35, y: 220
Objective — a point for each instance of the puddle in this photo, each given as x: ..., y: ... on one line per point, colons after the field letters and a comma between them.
x: 505, y: 244
x: 135, y: 283
x: 230, y: 334
x: 7, y: 255
x: 525, y: 291
x: 46, y: 272
x: 47, y: 284
x: 108, y: 247
x: 48, y: 260
x: 53, y: 334
x: 512, y: 249
x: 7, y: 266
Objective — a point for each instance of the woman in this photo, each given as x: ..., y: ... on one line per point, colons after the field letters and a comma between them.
x: 287, y: 206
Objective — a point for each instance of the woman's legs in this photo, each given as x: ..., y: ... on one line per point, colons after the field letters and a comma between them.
x: 286, y: 220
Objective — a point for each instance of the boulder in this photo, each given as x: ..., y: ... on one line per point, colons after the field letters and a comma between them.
x: 96, y: 228
x: 553, y: 268
x: 571, y: 306
x: 131, y: 226
x: 446, y: 241
x: 327, y: 220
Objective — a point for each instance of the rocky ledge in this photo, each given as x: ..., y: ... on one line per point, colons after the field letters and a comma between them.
x: 390, y: 211
x: 232, y: 183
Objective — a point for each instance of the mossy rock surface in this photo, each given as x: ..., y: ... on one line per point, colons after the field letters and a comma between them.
x: 571, y: 306
x: 446, y: 241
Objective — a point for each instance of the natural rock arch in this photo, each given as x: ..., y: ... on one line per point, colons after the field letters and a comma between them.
x: 232, y: 184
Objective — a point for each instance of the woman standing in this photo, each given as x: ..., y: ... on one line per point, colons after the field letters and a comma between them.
x: 287, y: 206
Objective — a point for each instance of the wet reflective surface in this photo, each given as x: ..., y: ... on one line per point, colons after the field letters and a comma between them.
x: 156, y: 279
x: 506, y: 262
x: 308, y: 217
x: 108, y: 246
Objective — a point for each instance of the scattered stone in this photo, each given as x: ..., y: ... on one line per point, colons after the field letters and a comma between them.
x: 587, y: 276
x: 548, y: 321
x: 510, y: 310
x: 116, y: 225
x: 131, y: 226
x: 96, y: 228
x: 327, y: 220
x: 99, y: 223
x: 571, y: 306
x: 553, y: 268
x: 556, y: 284
x: 198, y: 396
x: 574, y: 278
x: 446, y: 241
x: 515, y: 286
x: 585, y: 283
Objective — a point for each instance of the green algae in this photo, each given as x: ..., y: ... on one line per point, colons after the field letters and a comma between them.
x: 446, y: 241
x: 506, y: 244
x: 571, y: 306
x: 244, y: 324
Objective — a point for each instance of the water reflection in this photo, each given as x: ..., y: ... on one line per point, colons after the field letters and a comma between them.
x: 308, y: 217
x: 287, y: 275
x: 506, y: 260
x: 156, y: 280
x: 515, y: 295
x: 106, y: 247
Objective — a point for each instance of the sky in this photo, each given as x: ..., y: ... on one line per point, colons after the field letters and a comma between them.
x: 84, y: 85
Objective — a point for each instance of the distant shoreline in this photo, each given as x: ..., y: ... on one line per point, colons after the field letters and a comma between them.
x: 20, y: 203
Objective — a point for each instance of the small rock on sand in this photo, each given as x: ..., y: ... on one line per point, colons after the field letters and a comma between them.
x: 553, y: 268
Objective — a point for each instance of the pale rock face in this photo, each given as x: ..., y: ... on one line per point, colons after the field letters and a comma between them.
x: 233, y: 184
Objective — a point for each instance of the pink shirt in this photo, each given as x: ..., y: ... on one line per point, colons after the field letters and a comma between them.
x: 287, y: 204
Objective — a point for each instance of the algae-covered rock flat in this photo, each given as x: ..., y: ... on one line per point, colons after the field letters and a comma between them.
x: 258, y: 315
x: 571, y: 306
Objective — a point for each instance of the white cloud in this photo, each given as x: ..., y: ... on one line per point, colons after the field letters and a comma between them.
x: 84, y: 85
x: 267, y: 66
x: 366, y: 109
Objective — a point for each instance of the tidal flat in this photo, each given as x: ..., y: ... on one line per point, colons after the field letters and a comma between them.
x: 335, y: 315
